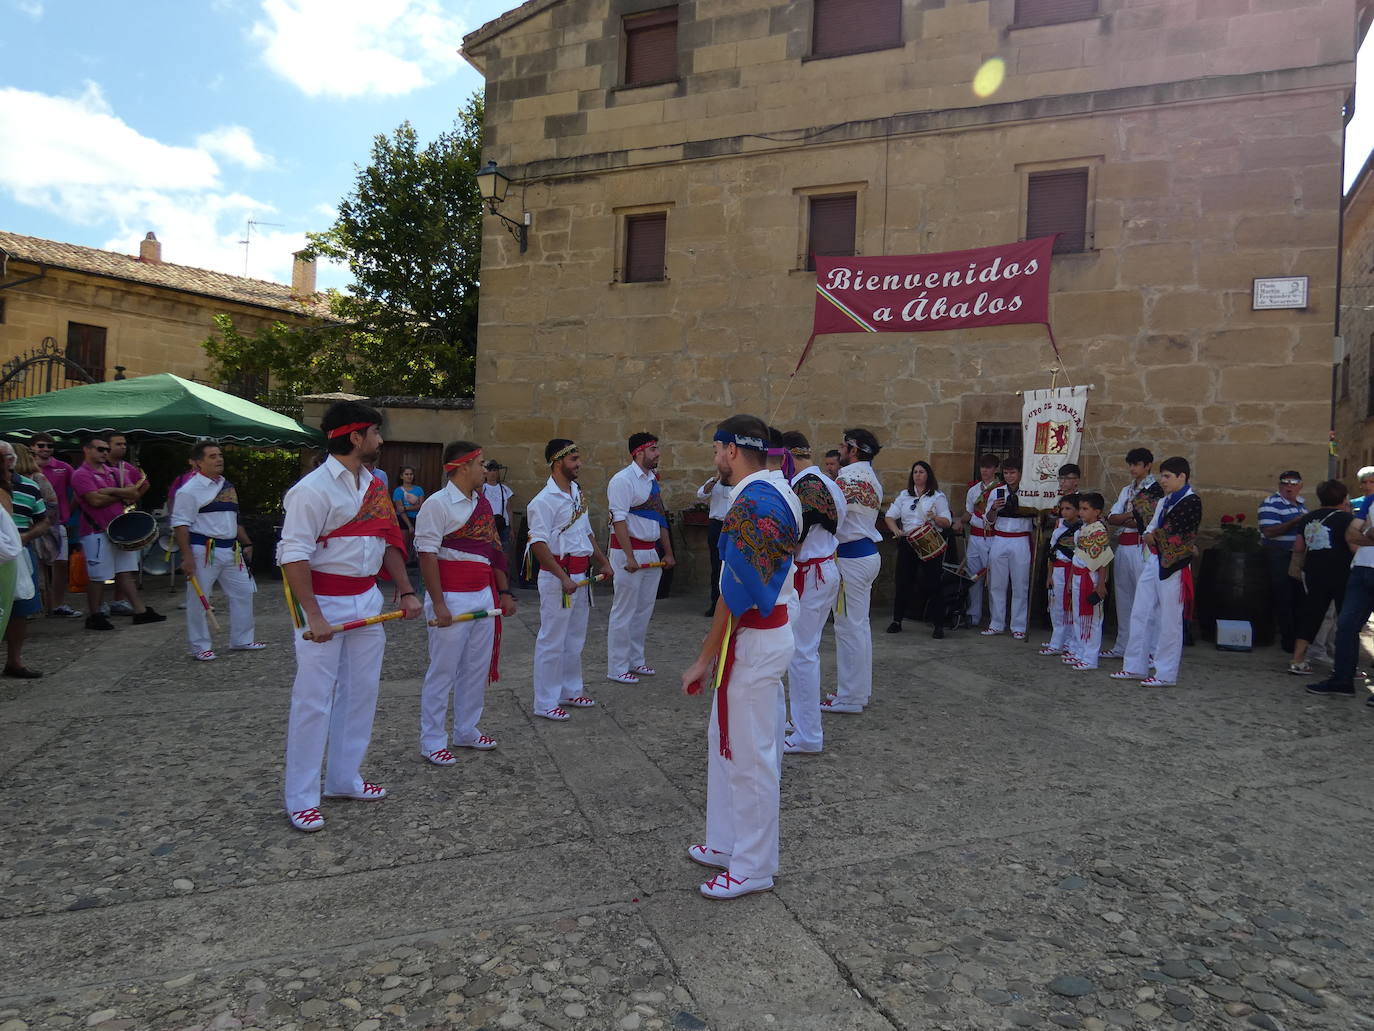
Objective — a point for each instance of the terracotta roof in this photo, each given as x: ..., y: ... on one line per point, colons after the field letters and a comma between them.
x: 498, y: 25
x: 184, y: 278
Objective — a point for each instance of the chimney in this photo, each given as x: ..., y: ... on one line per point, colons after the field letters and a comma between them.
x: 150, y: 250
x: 302, y: 275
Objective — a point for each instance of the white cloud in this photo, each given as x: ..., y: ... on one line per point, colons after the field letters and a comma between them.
x: 77, y: 159
x: 350, y: 48
x: 234, y: 143
x: 33, y: 8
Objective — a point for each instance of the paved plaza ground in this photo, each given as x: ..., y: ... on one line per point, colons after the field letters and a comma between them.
x: 995, y: 843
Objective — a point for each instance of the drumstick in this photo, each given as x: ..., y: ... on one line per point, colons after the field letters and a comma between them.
x: 205, y: 603
x: 468, y: 617
x: 354, y: 624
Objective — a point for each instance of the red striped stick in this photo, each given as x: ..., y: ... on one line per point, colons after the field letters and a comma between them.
x: 354, y: 624
x: 468, y: 617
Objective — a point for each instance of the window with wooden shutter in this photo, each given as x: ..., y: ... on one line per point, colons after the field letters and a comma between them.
x: 832, y: 229
x: 86, y: 347
x: 651, y: 46
x: 646, y: 237
x: 852, y: 26
x: 1057, y: 202
x: 1049, y: 12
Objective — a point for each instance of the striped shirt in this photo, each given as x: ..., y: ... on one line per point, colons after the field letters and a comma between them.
x: 28, y: 501
x: 1274, y: 512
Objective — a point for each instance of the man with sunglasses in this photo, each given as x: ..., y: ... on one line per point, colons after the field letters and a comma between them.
x: 101, y: 499
x: 1279, y: 519
x: 59, y: 474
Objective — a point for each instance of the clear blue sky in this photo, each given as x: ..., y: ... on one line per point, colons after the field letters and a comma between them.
x: 190, y: 117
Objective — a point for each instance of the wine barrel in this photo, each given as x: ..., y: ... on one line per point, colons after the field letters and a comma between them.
x: 1235, y: 585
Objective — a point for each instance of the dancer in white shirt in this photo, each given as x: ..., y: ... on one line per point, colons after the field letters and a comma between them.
x: 1010, y: 561
x: 716, y: 494
x: 974, y: 518
x: 1134, y: 508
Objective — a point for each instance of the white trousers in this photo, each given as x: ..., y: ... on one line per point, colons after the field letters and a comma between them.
x: 1009, y: 566
x: 1060, y: 621
x: 631, y: 611
x: 333, y: 700
x: 853, y: 634
x: 459, y: 661
x: 742, y: 792
x: 1085, y: 637
x: 239, y: 588
x: 1160, y: 601
x: 807, y: 614
x: 979, y: 555
x: 1127, y: 565
x: 558, y: 648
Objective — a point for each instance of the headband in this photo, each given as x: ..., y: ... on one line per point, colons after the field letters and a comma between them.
x: 748, y: 443
x: 789, y: 467
x: 564, y: 453
x: 461, y: 460
x: 801, y: 452
x: 849, y: 442
x: 642, y: 447
x: 343, y: 431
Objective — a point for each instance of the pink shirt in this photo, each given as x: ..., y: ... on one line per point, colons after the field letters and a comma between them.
x: 176, y: 486
x: 126, y: 474
x: 59, y: 474
x: 86, y: 479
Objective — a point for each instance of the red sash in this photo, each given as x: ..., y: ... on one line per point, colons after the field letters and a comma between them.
x: 978, y: 531
x: 464, y: 577
x: 1186, y: 586
x: 751, y: 620
x: 1128, y: 538
x: 1066, y: 566
x: 799, y: 572
x: 1085, y: 588
x: 635, y: 543
x: 477, y: 536
x: 574, y: 565
x: 375, y: 518
x: 336, y: 585
x: 1017, y: 533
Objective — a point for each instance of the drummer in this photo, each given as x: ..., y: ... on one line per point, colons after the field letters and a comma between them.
x: 101, y: 501
x: 919, y: 517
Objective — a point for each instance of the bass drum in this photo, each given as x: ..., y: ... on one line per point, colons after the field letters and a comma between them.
x: 132, y: 531
x: 157, y: 557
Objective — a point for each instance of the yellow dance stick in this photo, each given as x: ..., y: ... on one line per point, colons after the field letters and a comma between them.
x: 468, y: 617
x: 651, y: 565
x: 354, y: 624
x: 205, y: 603
x: 297, y: 617
x: 566, y: 600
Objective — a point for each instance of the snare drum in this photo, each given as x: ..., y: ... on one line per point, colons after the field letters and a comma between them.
x: 927, y: 541
x: 132, y: 531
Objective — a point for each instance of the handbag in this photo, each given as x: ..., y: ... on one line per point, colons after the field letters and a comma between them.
x: 77, y: 578
x: 24, y: 589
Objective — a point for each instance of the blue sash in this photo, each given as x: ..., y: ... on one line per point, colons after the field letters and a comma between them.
x: 861, y: 548
x: 756, y: 545
x: 653, y: 508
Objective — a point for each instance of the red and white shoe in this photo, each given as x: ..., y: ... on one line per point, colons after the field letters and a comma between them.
x: 723, y: 886
x: 643, y: 671
x: 555, y: 714
x: 622, y: 678
x: 370, y: 793
x: 1127, y: 675
x: 306, y: 820
x: 482, y: 743
x: 989, y: 632
x: 580, y: 702
x: 833, y: 704
x: 709, y: 857
x: 441, y: 757
x: 256, y: 646
x: 1070, y: 658
x: 1156, y: 682
x: 1018, y: 635
x: 1080, y: 666
x: 205, y: 656
x: 1045, y: 649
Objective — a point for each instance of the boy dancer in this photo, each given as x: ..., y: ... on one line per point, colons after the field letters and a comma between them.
x: 1058, y: 580
x: 1092, y: 553
x: 979, y: 534
x: 638, y: 527
x: 1165, y: 591
x: 1009, y: 563
x: 1134, y: 507
x: 339, y: 530
x: 464, y: 567
x: 561, y: 541
x: 744, y: 767
x: 858, y: 536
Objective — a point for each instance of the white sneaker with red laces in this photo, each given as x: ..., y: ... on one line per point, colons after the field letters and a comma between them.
x: 370, y: 793
x: 481, y: 743
x: 1128, y: 675
x: 1156, y: 682
x: 835, y: 705
x: 580, y: 702
x: 989, y: 632
x: 205, y: 656
x: 723, y: 886
x: 622, y: 678
x: 709, y: 857
x: 441, y: 757
x: 1045, y: 649
x: 256, y: 646
x: 643, y: 671
x: 557, y: 715
x: 307, y: 820
x: 1018, y: 635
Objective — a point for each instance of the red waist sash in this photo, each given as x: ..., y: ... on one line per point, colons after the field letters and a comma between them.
x: 1011, y: 533
x: 1065, y: 603
x: 1129, y: 538
x: 336, y: 585
x: 464, y: 577
x: 799, y: 572
x: 1085, y: 588
x: 635, y: 543
x: 574, y: 565
x: 751, y: 620
x: 978, y: 531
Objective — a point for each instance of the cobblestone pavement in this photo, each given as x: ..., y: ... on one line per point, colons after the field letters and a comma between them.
x: 995, y: 843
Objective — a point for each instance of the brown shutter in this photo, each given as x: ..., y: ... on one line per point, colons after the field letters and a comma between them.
x: 86, y: 347
x: 1057, y: 202
x: 646, y: 236
x: 1048, y: 12
x: 651, y: 46
x: 849, y: 26
x: 832, y: 227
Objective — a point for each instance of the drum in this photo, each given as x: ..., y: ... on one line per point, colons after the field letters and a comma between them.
x: 157, y: 556
x: 927, y: 541
x: 132, y: 531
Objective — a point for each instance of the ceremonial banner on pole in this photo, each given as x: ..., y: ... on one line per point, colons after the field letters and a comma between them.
x: 1052, y: 431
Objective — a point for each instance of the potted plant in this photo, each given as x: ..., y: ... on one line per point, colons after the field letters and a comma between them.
x: 1233, y: 582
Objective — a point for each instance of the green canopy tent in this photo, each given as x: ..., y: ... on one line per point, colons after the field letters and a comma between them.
x: 158, y: 406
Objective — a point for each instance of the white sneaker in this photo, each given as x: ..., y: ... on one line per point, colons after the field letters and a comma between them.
x: 306, y: 820
x: 837, y: 706
x: 557, y: 715
x: 790, y: 747
x: 723, y: 886
x: 709, y: 857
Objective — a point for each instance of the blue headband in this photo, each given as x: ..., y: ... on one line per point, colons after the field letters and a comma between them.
x: 748, y: 443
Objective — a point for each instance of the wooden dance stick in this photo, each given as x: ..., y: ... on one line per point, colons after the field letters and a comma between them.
x: 354, y: 624
x: 468, y: 617
x: 650, y: 565
x: 592, y: 579
x: 205, y: 603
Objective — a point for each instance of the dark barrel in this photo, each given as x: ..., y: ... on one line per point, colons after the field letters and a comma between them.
x: 1235, y: 585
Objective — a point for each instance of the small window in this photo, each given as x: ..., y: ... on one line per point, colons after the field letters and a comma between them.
x: 86, y: 348
x: 832, y: 228
x: 853, y: 26
x: 646, y: 238
x: 1002, y: 439
x: 1345, y: 378
x: 1050, y: 12
x: 1057, y: 202
x: 651, y: 47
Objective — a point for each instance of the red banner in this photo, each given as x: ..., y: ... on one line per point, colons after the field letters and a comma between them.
x: 917, y: 293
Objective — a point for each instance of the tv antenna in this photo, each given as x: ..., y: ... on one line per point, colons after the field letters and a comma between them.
x: 248, y: 239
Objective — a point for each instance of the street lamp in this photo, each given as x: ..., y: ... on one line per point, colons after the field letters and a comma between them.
x: 493, y: 185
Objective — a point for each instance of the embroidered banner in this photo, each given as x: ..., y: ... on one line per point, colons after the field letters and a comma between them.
x: 1052, y: 431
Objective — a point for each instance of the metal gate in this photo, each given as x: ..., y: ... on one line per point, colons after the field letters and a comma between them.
x: 44, y: 369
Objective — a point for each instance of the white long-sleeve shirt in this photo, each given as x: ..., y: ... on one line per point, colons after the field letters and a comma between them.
x: 863, y: 495
x: 550, y: 515
x: 717, y: 498
x: 200, y: 490
x: 630, y: 488
x: 319, y: 503
x: 441, y: 514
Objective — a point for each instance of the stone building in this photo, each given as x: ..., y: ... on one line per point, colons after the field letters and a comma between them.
x: 679, y: 162
x: 1352, y: 377
x: 107, y: 310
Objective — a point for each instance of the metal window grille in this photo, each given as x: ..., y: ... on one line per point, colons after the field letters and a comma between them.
x: 1002, y: 439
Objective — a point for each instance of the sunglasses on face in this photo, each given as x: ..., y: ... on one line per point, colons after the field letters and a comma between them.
x: 102, y: 450
x: 1290, y: 483
x: 45, y: 447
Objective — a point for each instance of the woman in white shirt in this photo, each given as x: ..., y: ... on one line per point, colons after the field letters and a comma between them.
x: 918, y: 580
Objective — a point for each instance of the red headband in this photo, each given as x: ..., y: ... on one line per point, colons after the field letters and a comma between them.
x: 461, y: 460
x: 343, y: 431
x: 646, y: 444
